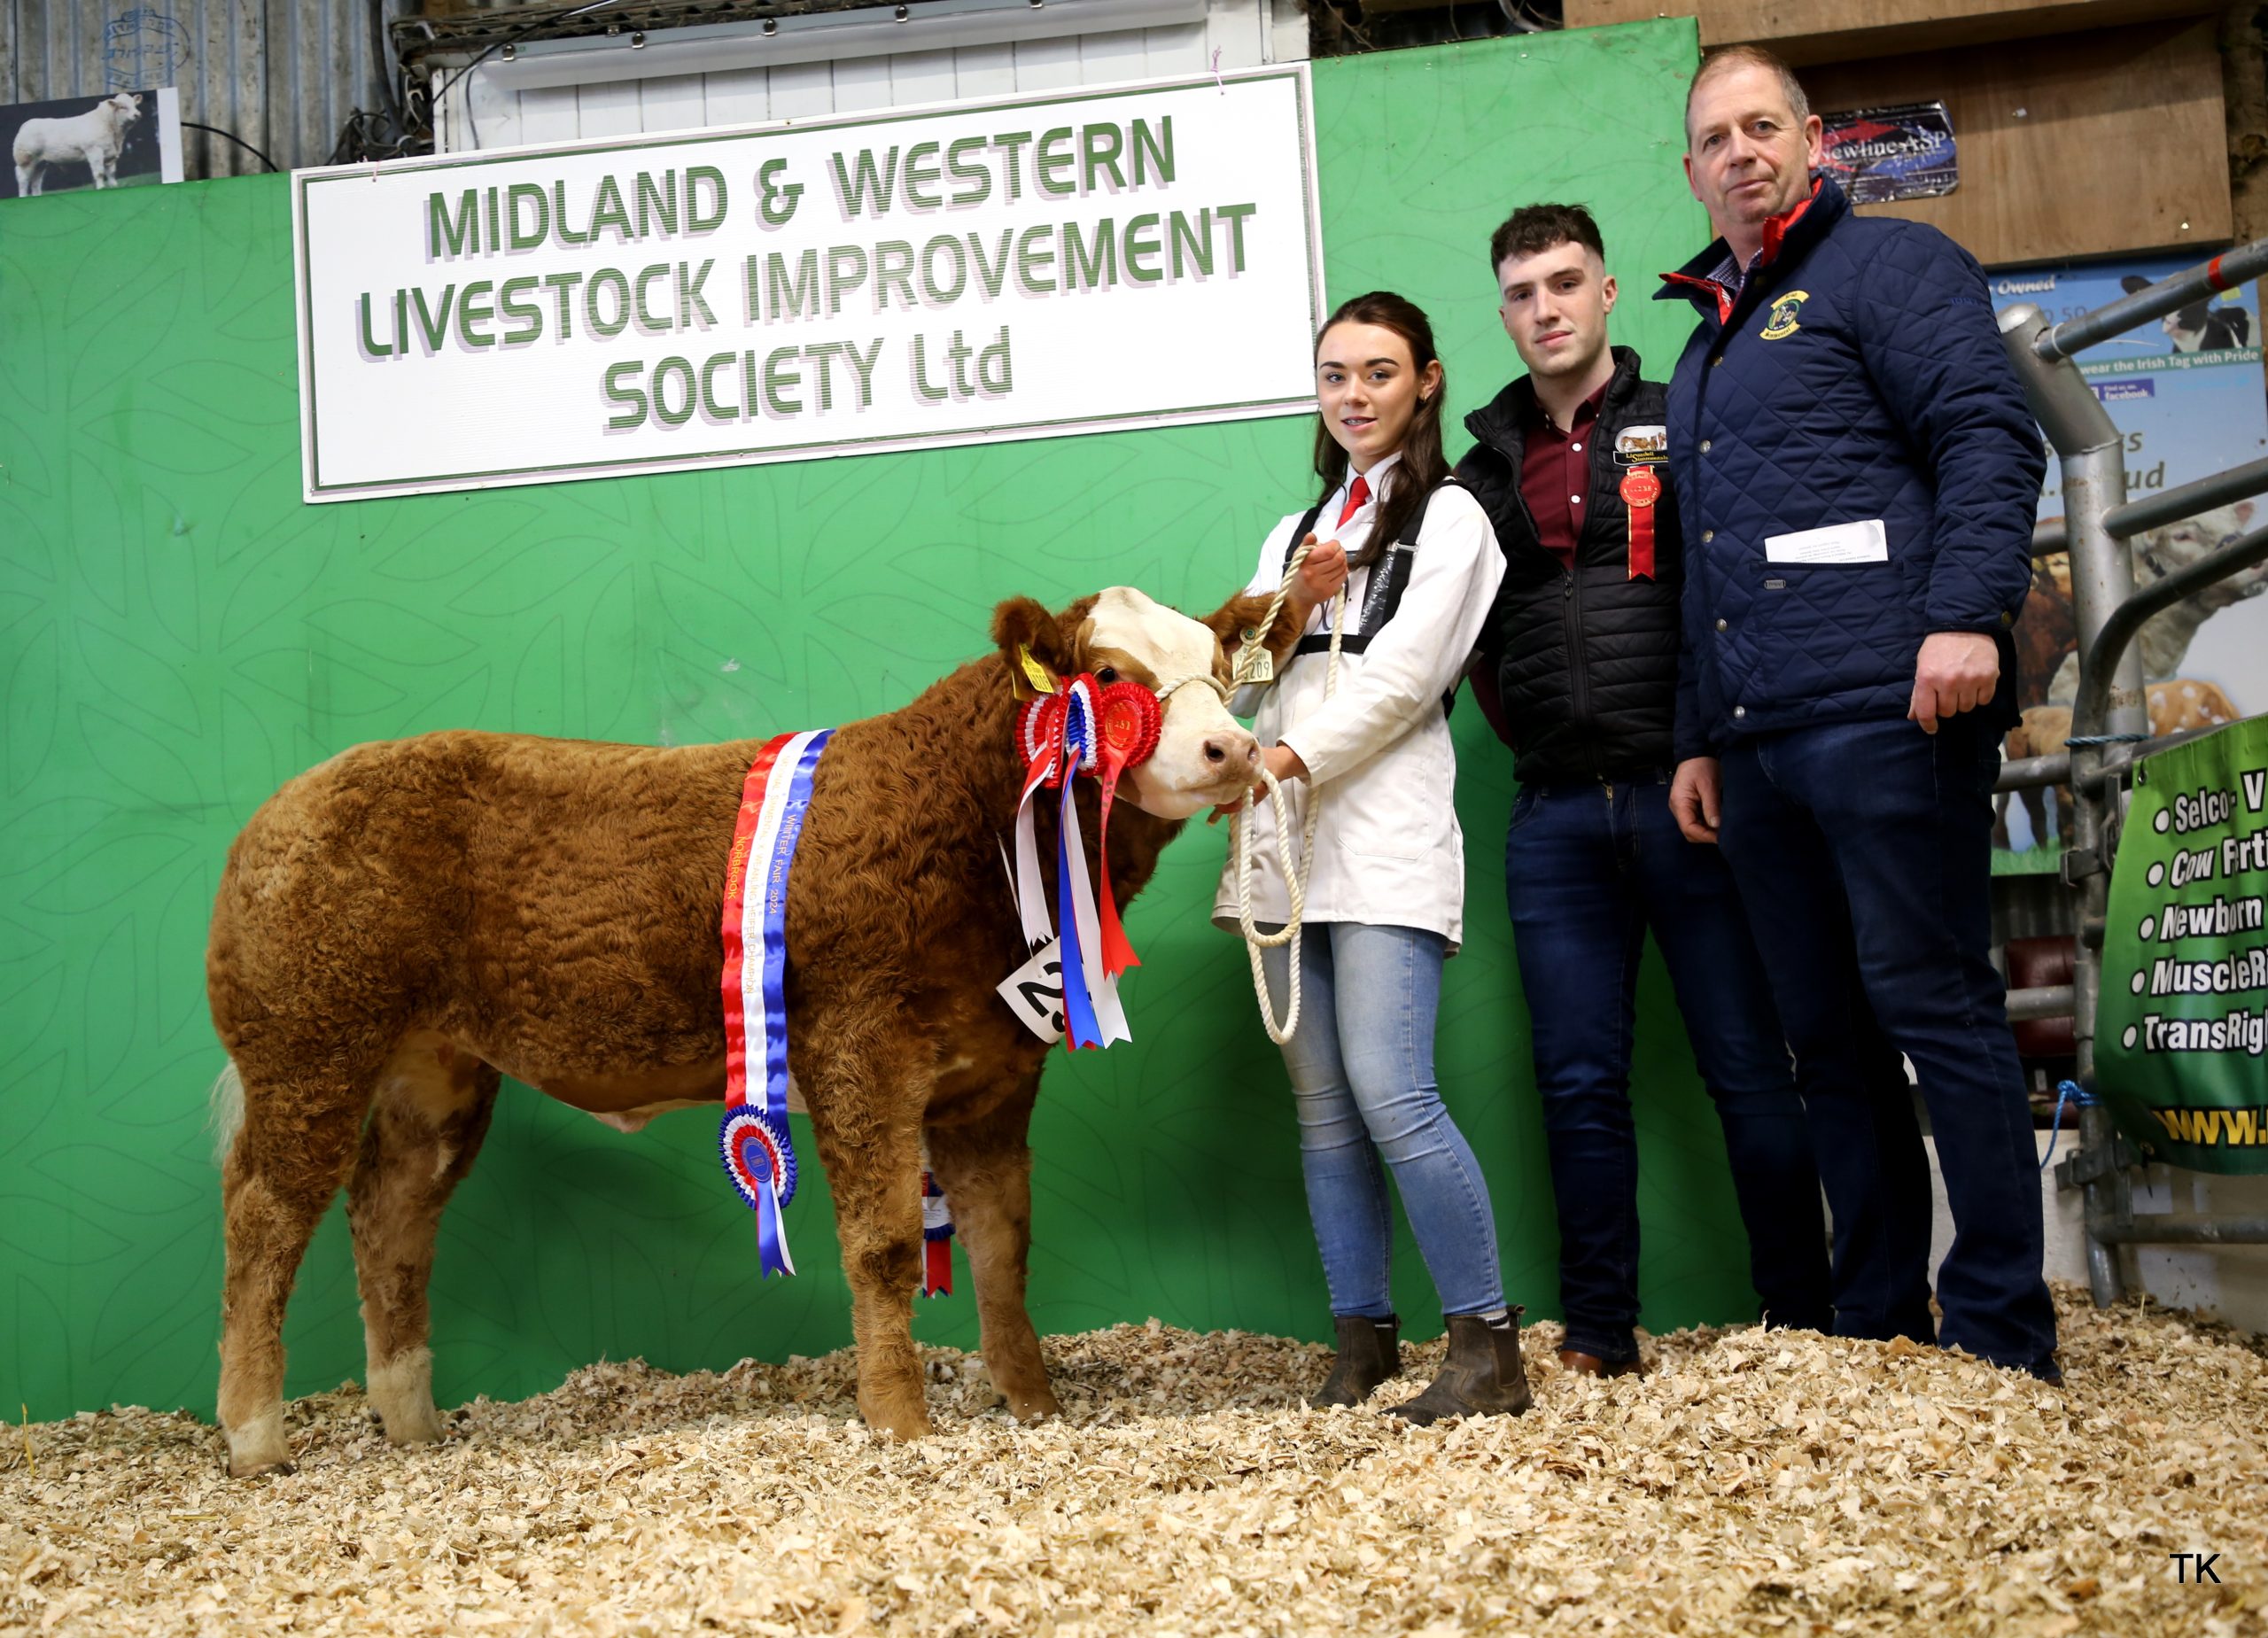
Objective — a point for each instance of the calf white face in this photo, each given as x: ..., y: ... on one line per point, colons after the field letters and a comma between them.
x: 1203, y: 756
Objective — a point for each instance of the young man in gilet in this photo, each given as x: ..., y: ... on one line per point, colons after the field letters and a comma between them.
x: 1582, y: 653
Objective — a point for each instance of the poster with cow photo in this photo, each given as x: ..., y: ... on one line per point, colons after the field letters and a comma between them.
x: 2187, y: 392
x: 121, y: 140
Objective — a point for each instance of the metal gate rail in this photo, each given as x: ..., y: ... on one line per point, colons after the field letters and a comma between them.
x: 2110, y: 717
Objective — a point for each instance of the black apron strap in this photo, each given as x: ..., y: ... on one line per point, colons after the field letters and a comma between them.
x: 1389, y: 579
x: 1305, y: 528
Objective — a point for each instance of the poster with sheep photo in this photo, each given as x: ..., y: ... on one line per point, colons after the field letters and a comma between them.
x: 2188, y: 394
x: 119, y: 140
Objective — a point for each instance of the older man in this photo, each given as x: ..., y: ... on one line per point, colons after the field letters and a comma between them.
x: 1857, y: 471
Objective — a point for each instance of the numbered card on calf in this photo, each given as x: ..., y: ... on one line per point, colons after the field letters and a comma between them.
x: 1034, y: 991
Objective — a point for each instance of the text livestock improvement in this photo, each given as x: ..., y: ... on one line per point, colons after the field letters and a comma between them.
x: 702, y: 307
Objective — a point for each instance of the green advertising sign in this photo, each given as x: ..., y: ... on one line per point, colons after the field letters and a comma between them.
x: 2184, y: 1020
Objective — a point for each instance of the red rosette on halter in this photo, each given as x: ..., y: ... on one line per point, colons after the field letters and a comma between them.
x: 1127, y: 721
x: 1039, y: 733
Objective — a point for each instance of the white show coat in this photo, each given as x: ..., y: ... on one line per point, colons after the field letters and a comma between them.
x: 1387, y: 847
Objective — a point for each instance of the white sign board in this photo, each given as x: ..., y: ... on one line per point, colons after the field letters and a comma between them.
x: 1019, y: 268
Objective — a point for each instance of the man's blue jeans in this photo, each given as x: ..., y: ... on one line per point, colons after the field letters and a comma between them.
x: 1863, y: 851
x: 1588, y: 869
x: 1361, y: 1068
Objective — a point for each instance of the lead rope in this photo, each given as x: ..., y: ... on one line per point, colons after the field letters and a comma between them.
x: 1297, y: 875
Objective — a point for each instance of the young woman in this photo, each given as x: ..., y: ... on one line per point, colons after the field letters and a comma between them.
x: 1385, y: 900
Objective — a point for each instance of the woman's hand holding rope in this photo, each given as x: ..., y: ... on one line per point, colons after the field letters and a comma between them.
x: 1315, y: 571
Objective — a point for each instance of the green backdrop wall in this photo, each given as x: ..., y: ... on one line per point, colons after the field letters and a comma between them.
x: 179, y: 634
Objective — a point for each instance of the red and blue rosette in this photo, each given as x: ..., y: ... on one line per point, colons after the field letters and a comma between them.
x: 1082, y: 727
x: 761, y: 1162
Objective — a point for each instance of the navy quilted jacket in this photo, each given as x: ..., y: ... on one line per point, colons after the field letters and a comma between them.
x: 1857, y: 377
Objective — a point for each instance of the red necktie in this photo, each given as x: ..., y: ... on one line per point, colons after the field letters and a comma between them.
x: 1357, y: 498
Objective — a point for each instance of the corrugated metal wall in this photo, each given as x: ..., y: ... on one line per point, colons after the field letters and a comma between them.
x: 282, y: 75
x: 1236, y: 33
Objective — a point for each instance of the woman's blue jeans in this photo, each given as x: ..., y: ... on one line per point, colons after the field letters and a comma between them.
x: 1361, y: 1068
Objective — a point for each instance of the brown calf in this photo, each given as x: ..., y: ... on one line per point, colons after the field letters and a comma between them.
x: 405, y: 924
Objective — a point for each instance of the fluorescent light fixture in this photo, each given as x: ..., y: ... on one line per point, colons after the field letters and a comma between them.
x: 877, y: 31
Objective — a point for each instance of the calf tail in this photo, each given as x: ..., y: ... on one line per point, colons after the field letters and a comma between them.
x: 226, y: 1112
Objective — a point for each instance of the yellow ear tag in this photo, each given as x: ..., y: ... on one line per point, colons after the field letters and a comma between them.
x: 1035, y: 675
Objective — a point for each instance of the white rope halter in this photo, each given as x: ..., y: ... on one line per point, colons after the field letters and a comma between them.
x: 1297, y: 875
x: 1166, y: 690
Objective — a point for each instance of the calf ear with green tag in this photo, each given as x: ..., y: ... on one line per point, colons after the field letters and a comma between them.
x: 1254, y: 665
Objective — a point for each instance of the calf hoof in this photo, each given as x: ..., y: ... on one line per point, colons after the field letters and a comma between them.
x: 420, y: 1426
x: 915, y: 1425
x: 258, y: 1447
x: 401, y: 1392
x: 896, y: 1412
x: 1033, y: 1407
x: 261, y: 1470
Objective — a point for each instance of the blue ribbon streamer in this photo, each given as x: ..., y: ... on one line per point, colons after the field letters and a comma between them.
x: 770, y: 1236
x: 1078, y: 1006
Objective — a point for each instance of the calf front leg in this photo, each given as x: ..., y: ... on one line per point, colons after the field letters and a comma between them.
x: 868, y: 1090
x: 985, y: 1170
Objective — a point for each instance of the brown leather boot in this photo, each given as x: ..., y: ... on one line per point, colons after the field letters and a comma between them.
x: 1576, y: 1363
x: 1483, y: 1375
x: 1370, y: 1351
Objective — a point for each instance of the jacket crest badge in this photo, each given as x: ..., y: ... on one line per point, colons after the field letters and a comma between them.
x: 1780, y: 323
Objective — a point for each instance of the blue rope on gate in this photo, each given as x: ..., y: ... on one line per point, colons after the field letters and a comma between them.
x: 2105, y: 739
x: 2066, y: 1091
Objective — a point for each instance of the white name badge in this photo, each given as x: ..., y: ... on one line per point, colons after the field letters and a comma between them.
x: 1034, y: 991
x: 1863, y: 542
x: 1642, y: 446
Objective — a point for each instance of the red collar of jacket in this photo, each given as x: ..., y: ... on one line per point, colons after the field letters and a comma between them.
x: 1688, y: 281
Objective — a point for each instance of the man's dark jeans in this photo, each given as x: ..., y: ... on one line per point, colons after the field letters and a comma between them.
x: 1588, y: 869
x: 1863, y: 851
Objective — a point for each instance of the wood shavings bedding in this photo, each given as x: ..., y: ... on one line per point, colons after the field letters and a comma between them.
x: 1754, y: 1483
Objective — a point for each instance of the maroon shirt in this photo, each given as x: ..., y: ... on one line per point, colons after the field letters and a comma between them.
x: 1556, y: 476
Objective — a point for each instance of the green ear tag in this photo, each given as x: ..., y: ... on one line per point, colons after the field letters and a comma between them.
x: 1254, y: 665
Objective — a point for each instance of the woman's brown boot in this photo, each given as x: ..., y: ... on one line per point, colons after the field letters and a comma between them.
x: 1370, y: 1351
x: 1483, y: 1375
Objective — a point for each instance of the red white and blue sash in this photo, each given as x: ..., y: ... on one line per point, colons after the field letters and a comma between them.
x: 760, y: 1156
